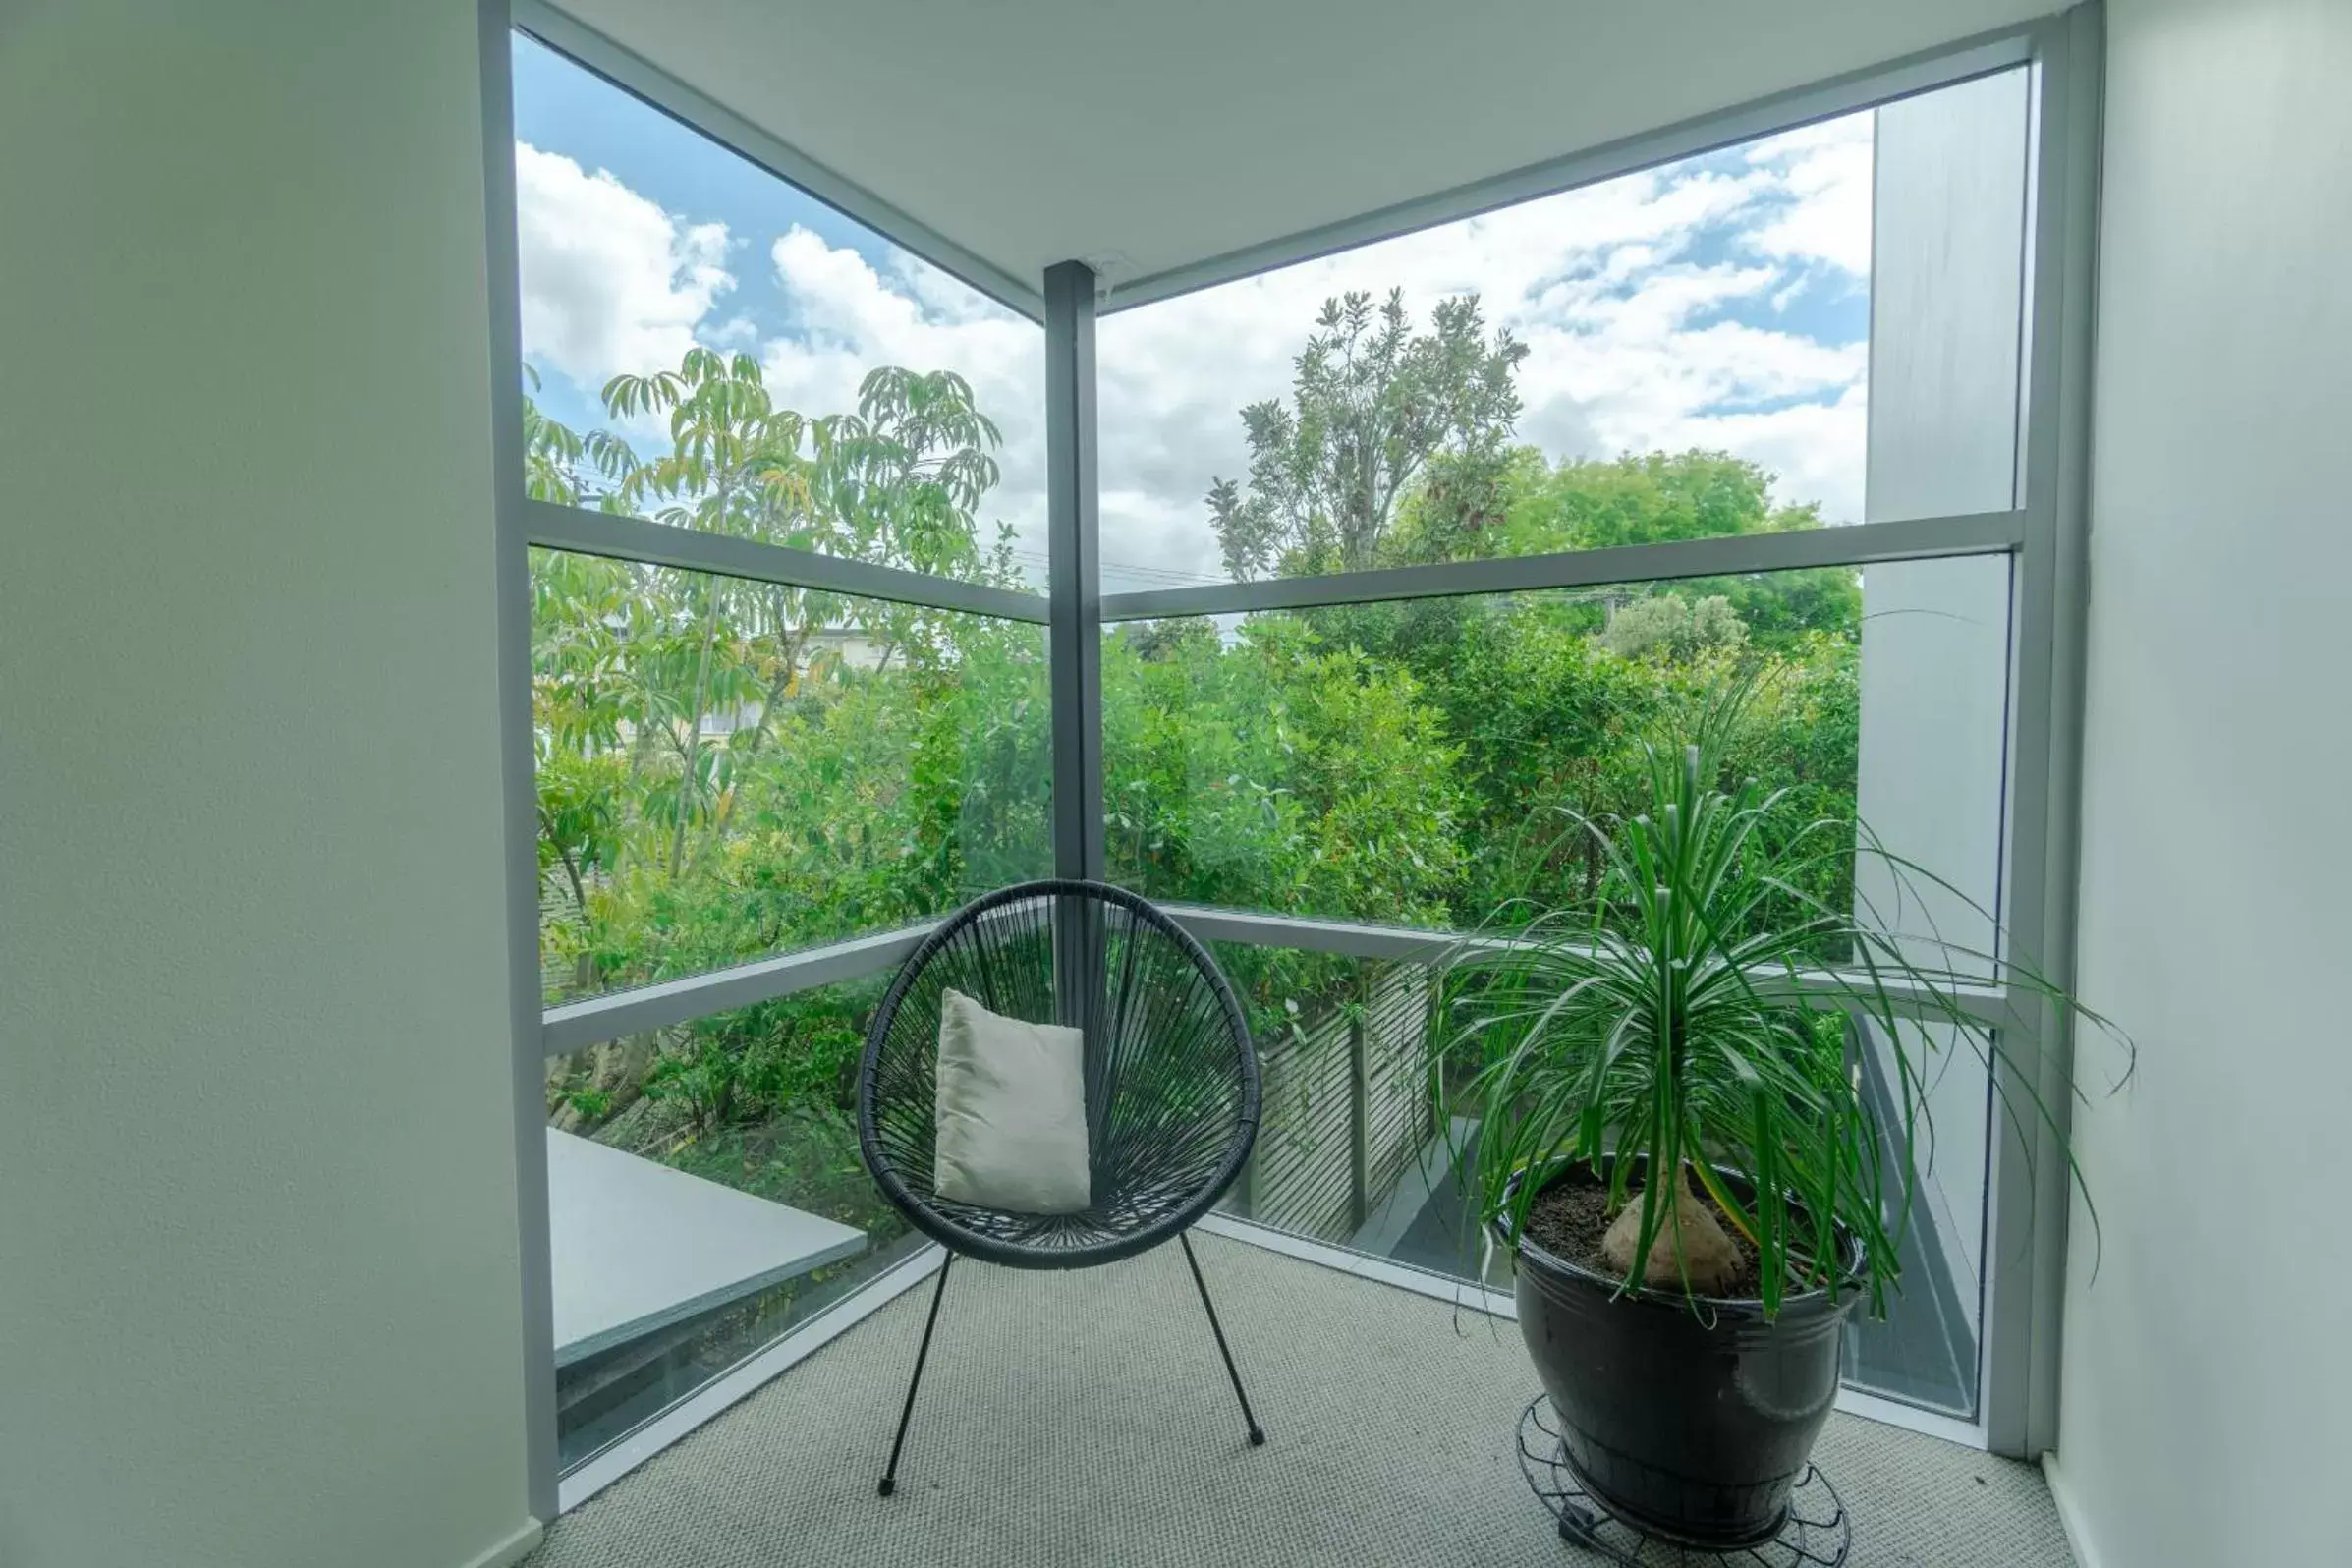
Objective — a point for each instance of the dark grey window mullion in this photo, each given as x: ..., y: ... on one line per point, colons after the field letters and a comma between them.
x: 1074, y: 571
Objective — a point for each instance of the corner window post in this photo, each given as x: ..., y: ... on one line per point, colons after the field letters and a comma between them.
x: 1075, y: 571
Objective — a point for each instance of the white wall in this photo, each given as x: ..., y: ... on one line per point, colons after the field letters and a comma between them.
x: 258, y: 1260
x: 2206, y: 1400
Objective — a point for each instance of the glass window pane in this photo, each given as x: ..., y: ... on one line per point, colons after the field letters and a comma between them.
x: 706, y: 1198
x: 1925, y: 1350
x: 1348, y: 1148
x: 1930, y: 782
x: 708, y: 346
x: 1946, y: 295
x: 1513, y: 383
x: 729, y: 770
x: 1424, y: 762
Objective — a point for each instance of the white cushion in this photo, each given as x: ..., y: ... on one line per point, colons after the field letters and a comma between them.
x: 1011, y: 1113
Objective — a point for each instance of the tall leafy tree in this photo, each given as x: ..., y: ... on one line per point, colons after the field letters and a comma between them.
x: 1372, y: 403
x: 897, y: 481
x: 666, y: 699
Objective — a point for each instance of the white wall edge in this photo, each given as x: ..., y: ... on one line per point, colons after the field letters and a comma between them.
x: 729, y: 1388
x: 2070, y: 1514
x: 514, y: 1548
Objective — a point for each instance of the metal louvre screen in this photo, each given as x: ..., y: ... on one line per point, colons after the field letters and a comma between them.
x: 1302, y: 1177
x: 1399, y: 1118
x: 1347, y: 1128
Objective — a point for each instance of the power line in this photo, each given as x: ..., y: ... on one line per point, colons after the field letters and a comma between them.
x: 1174, y: 577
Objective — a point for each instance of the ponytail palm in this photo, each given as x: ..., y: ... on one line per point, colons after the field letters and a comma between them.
x: 1686, y: 1020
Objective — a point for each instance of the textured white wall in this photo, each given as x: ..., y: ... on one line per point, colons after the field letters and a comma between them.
x: 258, y: 1263
x: 2208, y: 1371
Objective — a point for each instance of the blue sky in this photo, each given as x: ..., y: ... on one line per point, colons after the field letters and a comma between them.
x: 1722, y: 302
x: 562, y: 108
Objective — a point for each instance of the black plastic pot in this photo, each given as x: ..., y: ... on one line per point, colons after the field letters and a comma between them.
x: 1690, y: 1420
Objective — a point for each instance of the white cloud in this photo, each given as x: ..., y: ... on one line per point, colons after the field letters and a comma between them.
x: 1825, y: 172
x: 848, y: 318
x: 611, y: 282
x: 1626, y: 353
x: 1621, y: 292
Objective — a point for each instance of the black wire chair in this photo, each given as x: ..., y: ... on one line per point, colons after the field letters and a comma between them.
x: 1171, y: 1084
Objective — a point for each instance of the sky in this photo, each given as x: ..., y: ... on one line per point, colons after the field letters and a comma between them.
x: 1722, y: 302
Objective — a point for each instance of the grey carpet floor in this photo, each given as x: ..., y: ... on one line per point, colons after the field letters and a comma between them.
x: 1075, y: 1421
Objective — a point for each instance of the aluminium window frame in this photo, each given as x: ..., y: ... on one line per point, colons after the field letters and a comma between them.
x: 2042, y: 533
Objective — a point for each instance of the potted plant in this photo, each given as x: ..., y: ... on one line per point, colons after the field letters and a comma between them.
x: 1687, y: 1326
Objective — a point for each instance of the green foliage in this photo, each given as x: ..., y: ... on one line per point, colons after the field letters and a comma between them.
x: 730, y: 767
x: 799, y: 1051
x: 1372, y: 403
x: 1653, y: 498
x: 1672, y: 627
x: 1516, y: 503
x: 1278, y: 772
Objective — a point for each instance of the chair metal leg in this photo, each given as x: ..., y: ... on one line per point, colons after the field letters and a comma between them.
x: 1257, y: 1432
x: 921, y: 1354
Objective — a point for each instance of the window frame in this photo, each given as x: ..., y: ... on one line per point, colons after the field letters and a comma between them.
x: 2044, y: 532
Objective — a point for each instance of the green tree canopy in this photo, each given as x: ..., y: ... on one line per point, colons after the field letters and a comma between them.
x: 1671, y: 627
x: 1372, y: 403
x: 729, y: 767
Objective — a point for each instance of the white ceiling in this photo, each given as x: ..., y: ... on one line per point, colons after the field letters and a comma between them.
x: 1166, y: 132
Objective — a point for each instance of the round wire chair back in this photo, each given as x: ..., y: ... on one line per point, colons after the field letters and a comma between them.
x: 1171, y: 1079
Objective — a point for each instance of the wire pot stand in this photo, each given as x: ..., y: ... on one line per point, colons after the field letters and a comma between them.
x: 1816, y: 1534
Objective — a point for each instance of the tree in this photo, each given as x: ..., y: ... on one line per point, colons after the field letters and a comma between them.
x: 715, y: 778
x: 1667, y: 625
x: 1660, y: 497
x: 1461, y: 508
x: 729, y: 768
x: 1372, y: 403
x: 1276, y: 773
x: 1642, y: 498
x: 897, y: 481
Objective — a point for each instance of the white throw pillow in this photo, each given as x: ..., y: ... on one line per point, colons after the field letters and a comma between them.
x: 1011, y: 1112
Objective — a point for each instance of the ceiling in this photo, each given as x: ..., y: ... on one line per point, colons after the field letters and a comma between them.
x: 1150, y: 136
